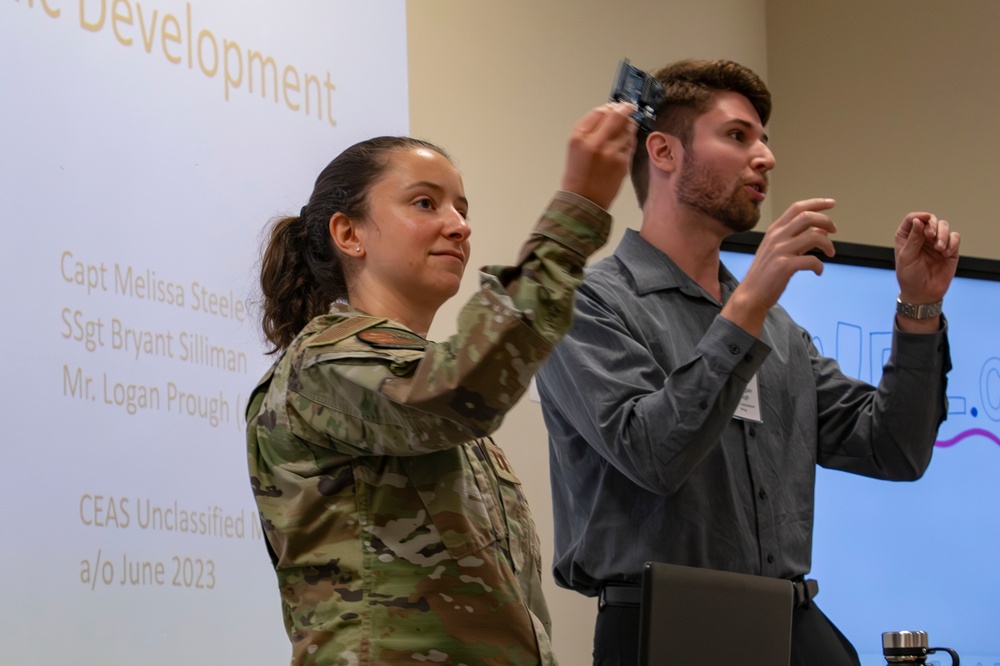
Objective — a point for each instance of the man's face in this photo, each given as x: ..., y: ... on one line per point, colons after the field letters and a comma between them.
x: 724, y: 173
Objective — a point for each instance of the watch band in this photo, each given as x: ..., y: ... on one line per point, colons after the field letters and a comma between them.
x: 918, y: 310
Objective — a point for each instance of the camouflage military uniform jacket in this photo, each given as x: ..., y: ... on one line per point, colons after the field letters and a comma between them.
x: 398, y: 531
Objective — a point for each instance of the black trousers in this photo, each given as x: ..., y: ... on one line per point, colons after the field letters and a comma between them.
x: 815, y: 639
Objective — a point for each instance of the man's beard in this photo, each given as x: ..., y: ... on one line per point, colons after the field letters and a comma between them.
x: 700, y: 189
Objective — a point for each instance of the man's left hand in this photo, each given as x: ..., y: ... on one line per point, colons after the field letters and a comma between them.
x: 926, y: 258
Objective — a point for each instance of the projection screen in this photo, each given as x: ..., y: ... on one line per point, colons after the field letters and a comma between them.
x: 143, y: 147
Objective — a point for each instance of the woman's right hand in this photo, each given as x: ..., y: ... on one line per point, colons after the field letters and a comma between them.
x: 600, y: 151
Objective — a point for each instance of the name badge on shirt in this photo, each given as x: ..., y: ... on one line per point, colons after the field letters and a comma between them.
x: 749, y: 407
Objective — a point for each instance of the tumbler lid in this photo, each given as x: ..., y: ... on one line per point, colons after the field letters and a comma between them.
x: 904, y: 639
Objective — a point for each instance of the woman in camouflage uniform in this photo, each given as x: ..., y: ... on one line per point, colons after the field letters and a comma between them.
x: 397, y: 529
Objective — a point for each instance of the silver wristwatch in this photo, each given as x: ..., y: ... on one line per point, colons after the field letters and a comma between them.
x: 918, y: 310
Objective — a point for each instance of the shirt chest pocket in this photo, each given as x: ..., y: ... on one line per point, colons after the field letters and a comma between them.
x: 455, y: 488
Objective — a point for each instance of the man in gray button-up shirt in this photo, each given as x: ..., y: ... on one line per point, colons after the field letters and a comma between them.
x: 686, y: 411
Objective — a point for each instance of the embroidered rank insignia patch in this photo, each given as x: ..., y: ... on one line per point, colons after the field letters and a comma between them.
x: 382, y: 337
x: 499, y: 462
x: 343, y: 330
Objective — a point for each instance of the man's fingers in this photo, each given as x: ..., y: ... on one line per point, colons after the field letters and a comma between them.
x: 812, y: 264
x: 811, y: 238
x: 942, y: 234
x: 946, y: 241
x: 809, y: 222
x: 821, y: 241
x: 919, y: 227
x: 954, y: 240
x: 817, y: 204
x: 804, y: 214
x: 915, y: 237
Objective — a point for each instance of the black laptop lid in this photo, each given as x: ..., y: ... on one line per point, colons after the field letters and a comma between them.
x: 702, y: 616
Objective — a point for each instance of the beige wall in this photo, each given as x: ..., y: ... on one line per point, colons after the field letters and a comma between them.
x: 886, y: 105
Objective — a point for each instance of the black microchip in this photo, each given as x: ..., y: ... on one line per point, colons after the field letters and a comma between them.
x: 636, y: 86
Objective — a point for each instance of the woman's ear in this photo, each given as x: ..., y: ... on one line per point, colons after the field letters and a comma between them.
x: 664, y: 151
x: 345, y: 235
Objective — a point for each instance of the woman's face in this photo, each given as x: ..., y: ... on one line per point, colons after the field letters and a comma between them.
x: 416, y: 236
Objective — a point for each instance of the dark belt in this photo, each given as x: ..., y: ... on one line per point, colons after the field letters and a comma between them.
x: 805, y: 589
x: 619, y: 595
x: 631, y: 595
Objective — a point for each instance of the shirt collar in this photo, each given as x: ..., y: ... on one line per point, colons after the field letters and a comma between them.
x: 652, y: 270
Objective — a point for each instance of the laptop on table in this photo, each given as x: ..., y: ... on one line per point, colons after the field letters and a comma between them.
x: 700, y: 616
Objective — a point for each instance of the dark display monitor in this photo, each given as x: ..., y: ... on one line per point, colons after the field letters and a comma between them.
x: 908, y: 556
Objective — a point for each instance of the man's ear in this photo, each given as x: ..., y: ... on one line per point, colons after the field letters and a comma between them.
x: 345, y: 236
x: 664, y: 150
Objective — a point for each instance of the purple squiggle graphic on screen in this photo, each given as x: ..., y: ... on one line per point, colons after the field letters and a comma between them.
x: 972, y: 432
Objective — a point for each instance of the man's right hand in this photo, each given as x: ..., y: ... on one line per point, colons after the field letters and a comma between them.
x: 780, y: 255
x: 599, y: 154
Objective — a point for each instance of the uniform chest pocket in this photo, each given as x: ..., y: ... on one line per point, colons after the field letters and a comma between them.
x: 522, y: 540
x: 460, y: 501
